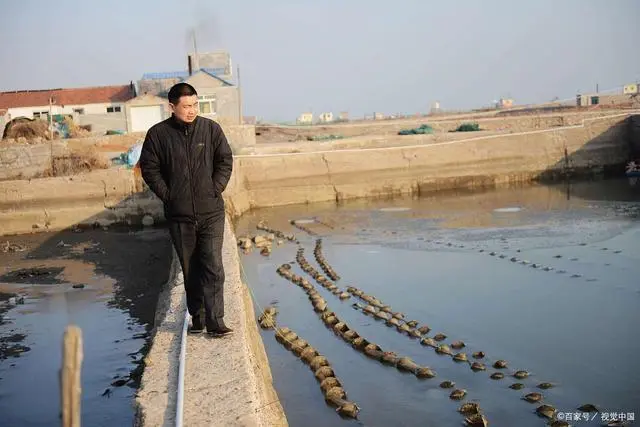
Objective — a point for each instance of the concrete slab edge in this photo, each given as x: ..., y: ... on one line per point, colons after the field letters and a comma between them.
x: 156, y: 398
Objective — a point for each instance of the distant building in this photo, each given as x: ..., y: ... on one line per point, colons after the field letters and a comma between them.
x: 305, y: 119
x: 343, y: 116
x: 616, y: 99
x: 630, y: 89
x: 505, y: 103
x: 102, y: 108
x: 378, y: 116
x: 326, y: 117
x: 435, y: 107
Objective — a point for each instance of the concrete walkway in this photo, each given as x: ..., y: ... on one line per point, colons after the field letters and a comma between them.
x: 227, y: 380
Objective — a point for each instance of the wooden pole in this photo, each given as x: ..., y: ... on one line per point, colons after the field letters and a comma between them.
x: 71, y: 389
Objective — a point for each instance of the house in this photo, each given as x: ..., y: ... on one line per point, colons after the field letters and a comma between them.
x: 101, y: 108
x: 305, y: 119
x: 630, y: 89
x: 219, y: 99
x: 326, y: 117
x: 343, y: 116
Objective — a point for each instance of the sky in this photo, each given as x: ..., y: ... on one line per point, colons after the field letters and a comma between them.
x: 333, y: 55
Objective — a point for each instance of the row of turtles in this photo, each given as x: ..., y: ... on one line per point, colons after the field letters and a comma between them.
x: 535, y: 265
x: 328, y: 270
x: 322, y: 280
x: 330, y: 385
x: 301, y: 227
x: 279, y: 234
x: 472, y: 412
x: 411, y: 328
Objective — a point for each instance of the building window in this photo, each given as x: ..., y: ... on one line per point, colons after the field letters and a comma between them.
x: 79, y: 111
x: 44, y: 115
x: 207, y: 104
x: 113, y: 109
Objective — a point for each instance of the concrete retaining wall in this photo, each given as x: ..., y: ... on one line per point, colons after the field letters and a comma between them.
x: 487, y: 161
x: 21, y: 161
x: 24, y: 161
x: 116, y: 195
x: 445, y: 124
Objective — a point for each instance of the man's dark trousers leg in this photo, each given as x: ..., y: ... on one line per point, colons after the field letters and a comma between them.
x: 199, y: 248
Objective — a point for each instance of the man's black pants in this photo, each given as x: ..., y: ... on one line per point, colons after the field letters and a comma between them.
x: 199, y: 248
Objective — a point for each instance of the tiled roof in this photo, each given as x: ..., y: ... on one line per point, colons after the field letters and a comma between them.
x: 79, y: 96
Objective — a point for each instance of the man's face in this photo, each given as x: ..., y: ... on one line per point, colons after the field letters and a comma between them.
x: 186, y: 109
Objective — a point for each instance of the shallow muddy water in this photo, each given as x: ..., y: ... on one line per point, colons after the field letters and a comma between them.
x: 544, y: 277
x: 107, y: 283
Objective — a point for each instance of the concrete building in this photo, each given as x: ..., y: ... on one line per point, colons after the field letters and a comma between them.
x: 219, y: 98
x: 615, y: 99
x: 343, y: 116
x: 101, y: 108
x: 378, y: 116
x: 305, y: 119
x: 326, y: 117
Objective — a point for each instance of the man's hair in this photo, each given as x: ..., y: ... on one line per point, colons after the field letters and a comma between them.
x: 179, y: 90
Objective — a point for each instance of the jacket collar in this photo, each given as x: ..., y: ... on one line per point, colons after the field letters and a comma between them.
x: 179, y: 124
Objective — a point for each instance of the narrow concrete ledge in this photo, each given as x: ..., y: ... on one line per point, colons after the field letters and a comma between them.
x: 227, y: 380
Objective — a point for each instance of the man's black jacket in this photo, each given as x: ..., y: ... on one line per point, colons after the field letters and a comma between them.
x: 187, y: 166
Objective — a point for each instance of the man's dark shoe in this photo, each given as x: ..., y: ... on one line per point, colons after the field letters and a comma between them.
x: 218, y: 328
x: 196, y: 326
x: 220, y: 331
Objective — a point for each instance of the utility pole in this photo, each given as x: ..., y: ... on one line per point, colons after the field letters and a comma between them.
x: 240, y: 118
x: 51, y: 102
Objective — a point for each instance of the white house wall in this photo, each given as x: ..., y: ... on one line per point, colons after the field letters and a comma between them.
x: 66, y: 109
x: 94, y: 114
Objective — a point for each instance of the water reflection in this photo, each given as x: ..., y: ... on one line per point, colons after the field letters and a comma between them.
x: 107, y: 282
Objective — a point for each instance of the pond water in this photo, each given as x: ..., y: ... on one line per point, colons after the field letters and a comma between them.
x: 544, y: 277
x: 105, y: 282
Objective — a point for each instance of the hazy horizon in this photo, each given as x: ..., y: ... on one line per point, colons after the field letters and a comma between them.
x: 361, y: 57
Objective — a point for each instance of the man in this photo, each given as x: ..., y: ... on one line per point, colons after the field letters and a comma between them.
x: 187, y: 162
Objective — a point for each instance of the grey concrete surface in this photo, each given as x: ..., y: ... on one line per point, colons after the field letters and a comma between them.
x: 227, y: 380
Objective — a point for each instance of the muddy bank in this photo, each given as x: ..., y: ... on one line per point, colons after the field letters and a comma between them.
x: 106, y: 282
